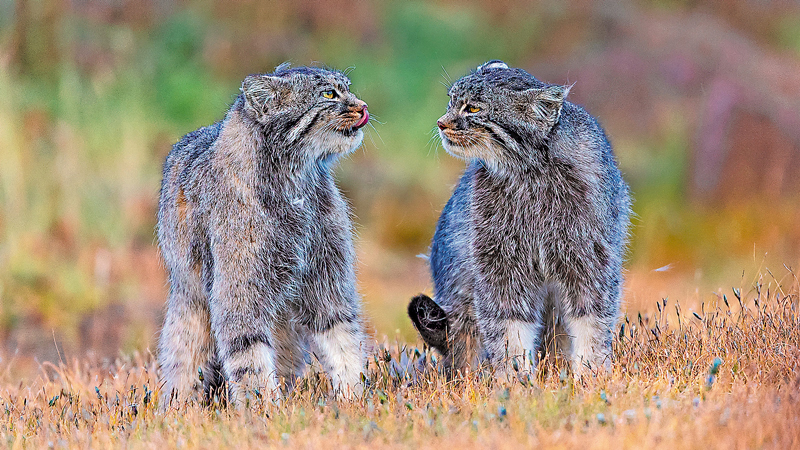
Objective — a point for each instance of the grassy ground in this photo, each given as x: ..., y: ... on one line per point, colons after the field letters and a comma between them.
x: 723, y: 376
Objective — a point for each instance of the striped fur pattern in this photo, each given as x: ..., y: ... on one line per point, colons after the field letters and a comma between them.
x: 529, y: 248
x: 257, y: 240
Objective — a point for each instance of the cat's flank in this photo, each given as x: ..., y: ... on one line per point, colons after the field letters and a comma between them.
x: 257, y: 241
x: 529, y: 249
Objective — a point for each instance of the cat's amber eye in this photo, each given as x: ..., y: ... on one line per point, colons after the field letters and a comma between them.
x: 330, y: 93
x: 472, y: 109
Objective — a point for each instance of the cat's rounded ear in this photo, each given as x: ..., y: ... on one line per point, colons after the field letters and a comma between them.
x: 265, y: 92
x: 544, y: 104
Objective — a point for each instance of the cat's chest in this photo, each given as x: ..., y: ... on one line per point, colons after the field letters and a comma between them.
x: 513, y: 226
x: 530, y: 202
x: 322, y: 210
x: 512, y: 209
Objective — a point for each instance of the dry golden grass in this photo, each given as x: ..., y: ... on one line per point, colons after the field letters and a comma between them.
x: 723, y: 378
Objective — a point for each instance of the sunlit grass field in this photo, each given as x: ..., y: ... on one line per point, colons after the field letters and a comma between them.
x: 722, y: 376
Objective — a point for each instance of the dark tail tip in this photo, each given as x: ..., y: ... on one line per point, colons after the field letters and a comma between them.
x: 430, y: 320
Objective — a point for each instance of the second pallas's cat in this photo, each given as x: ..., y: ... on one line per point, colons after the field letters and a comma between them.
x: 533, y: 237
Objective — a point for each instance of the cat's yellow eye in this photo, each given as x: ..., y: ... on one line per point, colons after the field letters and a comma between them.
x: 472, y: 109
x: 330, y: 93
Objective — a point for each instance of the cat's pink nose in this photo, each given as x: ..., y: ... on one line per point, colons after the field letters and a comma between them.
x: 360, y: 106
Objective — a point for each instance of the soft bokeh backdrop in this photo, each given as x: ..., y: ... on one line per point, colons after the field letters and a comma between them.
x: 701, y: 100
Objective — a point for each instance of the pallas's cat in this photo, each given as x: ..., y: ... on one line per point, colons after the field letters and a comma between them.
x: 257, y: 241
x: 530, y: 246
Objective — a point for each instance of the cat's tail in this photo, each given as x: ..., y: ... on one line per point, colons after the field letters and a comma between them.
x: 430, y: 320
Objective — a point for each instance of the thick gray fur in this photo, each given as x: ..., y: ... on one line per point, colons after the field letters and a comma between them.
x: 530, y: 247
x: 257, y: 240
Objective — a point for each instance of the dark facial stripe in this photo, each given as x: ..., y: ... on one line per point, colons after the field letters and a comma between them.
x: 513, y: 135
x: 293, y: 123
x: 311, y: 124
x: 317, y: 117
x: 497, y: 136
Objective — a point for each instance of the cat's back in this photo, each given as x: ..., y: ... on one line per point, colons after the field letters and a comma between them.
x: 450, y: 245
x: 580, y: 130
x: 183, y: 175
x: 191, y: 151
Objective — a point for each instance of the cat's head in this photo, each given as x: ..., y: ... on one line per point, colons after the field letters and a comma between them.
x: 309, y: 106
x: 499, y: 114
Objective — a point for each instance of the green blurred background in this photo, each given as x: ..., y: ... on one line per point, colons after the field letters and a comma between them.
x: 701, y: 100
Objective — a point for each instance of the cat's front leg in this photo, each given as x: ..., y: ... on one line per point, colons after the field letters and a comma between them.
x: 328, y: 301
x: 511, y: 342
x: 245, y: 343
x: 509, y: 305
x: 511, y: 329
x: 590, y: 338
x: 330, y: 309
x: 252, y: 281
x: 341, y: 350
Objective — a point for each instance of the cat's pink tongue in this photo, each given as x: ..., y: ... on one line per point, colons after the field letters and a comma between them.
x: 364, y: 119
